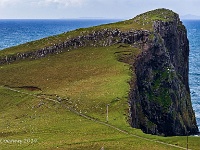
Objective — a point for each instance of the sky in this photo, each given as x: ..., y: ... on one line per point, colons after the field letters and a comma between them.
x: 115, y: 9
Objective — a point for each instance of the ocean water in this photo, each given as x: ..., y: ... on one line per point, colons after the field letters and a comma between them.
x: 193, y: 29
x: 15, y: 32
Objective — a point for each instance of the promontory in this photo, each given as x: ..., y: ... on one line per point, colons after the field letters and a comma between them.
x: 137, y: 69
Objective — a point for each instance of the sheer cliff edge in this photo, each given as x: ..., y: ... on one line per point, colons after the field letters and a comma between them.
x: 160, y: 96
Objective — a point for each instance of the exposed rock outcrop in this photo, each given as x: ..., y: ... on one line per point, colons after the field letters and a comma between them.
x: 104, y: 37
x: 160, y: 97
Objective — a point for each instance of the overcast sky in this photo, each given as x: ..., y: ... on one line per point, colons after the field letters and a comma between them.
x: 118, y: 9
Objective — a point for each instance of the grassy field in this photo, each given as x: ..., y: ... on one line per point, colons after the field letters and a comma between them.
x: 25, y: 125
x: 59, y: 102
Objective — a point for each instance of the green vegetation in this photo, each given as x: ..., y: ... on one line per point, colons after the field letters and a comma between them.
x: 159, y: 93
x: 90, y: 77
x: 81, y: 81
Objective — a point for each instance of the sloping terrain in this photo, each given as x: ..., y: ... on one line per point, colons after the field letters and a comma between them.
x: 58, y: 99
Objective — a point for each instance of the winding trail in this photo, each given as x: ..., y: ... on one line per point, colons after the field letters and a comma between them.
x: 95, y: 120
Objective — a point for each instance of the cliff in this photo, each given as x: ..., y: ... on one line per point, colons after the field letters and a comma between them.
x: 105, y: 37
x: 159, y: 95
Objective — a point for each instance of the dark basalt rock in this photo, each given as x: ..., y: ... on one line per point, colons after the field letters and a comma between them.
x: 160, y: 97
x: 104, y: 37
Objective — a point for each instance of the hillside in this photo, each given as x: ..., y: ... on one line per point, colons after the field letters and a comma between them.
x: 55, y: 91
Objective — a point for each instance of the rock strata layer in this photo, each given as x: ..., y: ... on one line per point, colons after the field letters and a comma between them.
x: 104, y: 38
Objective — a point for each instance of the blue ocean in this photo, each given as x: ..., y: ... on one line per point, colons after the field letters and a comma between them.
x: 15, y: 32
x: 193, y: 29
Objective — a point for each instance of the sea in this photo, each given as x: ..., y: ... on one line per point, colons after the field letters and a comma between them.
x: 15, y: 32
x: 193, y: 30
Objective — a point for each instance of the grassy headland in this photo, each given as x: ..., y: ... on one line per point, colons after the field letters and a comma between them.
x: 81, y: 81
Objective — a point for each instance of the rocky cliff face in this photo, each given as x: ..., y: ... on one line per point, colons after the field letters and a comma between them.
x: 103, y: 38
x: 160, y: 97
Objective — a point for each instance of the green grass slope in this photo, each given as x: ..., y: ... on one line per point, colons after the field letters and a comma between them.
x: 27, y: 125
x: 59, y: 102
